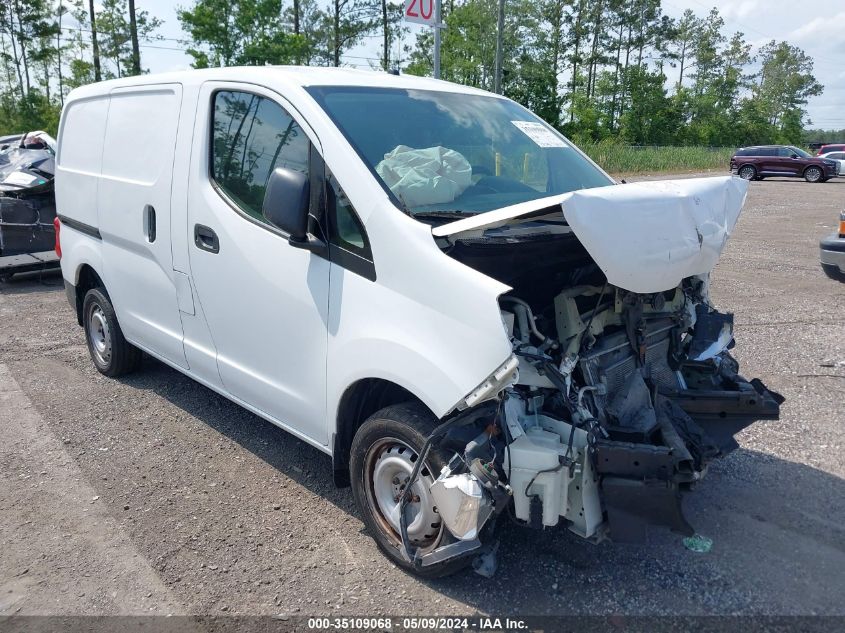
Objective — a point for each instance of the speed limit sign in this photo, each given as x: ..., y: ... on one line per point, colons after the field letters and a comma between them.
x: 427, y: 12
x: 421, y: 11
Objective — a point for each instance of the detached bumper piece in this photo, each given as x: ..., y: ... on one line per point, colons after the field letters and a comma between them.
x: 634, y: 505
x: 642, y: 483
x: 724, y: 414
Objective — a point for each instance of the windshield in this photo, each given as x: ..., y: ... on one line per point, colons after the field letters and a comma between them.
x: 440, y: 152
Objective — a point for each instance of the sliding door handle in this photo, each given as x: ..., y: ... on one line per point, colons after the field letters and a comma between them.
x: 150, y: 222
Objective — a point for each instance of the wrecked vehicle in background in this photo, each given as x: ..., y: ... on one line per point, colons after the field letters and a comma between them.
x: 27, y: 199
x: 423, y: 280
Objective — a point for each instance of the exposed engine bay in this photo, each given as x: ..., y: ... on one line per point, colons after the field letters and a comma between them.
x: 615, y: 401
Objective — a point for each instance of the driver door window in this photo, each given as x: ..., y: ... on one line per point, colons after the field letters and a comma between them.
x: 252, y: 136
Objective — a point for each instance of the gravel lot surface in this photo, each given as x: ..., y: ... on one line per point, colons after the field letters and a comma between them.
x: 154, y: 494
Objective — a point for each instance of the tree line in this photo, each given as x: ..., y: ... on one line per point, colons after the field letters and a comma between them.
x: 596, y: 69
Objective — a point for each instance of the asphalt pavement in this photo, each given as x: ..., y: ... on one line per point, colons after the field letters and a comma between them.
x: 153, y: 494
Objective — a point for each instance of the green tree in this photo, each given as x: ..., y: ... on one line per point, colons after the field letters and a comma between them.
x: 346, y: 23
x: 233, y: 32
x: 115, y: 29
x: 307, y: 20
x: 785, y: 83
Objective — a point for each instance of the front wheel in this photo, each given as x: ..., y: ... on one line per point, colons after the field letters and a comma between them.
x: 813, y: 174
x: 747, y: 172
x: 112, y: 354
x: 384, y: 452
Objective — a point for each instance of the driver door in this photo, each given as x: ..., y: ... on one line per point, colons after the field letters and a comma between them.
x: 788, y: 163
x: 266, y: 302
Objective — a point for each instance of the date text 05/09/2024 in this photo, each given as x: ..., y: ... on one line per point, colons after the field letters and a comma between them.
x: 487, y: 624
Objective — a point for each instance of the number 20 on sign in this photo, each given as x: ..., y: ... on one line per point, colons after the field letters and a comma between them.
x: 421, y: 11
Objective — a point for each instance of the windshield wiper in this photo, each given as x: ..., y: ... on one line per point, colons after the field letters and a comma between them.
x: 443, y: 214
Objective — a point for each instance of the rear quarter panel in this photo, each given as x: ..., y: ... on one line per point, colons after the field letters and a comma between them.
x: 79, y: 159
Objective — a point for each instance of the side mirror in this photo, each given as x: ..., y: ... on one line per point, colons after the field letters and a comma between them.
x: 286, y: 203
x: 794, y: 156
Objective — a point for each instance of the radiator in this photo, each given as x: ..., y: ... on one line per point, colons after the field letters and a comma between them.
x: 612, y: 360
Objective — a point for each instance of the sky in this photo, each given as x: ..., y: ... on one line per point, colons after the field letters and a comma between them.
x: 820, y: 32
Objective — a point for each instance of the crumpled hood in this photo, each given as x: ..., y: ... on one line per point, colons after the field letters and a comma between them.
x: 647, y: 236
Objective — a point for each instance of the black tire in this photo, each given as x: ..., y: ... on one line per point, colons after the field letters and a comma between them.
x: 112, y: 354
x: 833, y: 272
x: 813, y: 174
x: 380, y: 437
x: 747, y: 172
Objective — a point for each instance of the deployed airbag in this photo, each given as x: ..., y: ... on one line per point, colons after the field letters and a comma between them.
x: 425, y: 176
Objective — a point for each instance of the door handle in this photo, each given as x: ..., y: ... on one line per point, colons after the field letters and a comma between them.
x: 206, y: 239
x: 150, y: 222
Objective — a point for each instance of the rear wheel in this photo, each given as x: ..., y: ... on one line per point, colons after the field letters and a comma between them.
x: 384, y: 452
x: 112, y: 354
x: 747, y: 172
x: 813, y: 174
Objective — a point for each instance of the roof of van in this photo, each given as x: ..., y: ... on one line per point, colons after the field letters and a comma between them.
x: 299, y: 76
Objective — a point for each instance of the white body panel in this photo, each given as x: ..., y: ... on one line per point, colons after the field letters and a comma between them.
x: 429, y: 323
x: 137, y: 173
x: 80, y: 157
x: 279, y: 330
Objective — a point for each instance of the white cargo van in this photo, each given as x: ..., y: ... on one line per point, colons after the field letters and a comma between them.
x: 423, y: 280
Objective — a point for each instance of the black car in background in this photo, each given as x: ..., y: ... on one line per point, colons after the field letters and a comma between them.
x: 761, y: 161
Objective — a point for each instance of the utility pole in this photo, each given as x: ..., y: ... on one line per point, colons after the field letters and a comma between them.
x: 426, y: 12
x: 59, y: 55
x: 437, y: 17
x: 94, y: 46
x: 133, y: 33
x: 500, y: 37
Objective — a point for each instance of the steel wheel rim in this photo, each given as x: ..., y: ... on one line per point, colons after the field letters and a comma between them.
x: 99, y: 334
x: 813, y: 174
x: 747, y: 173
x: 388, y: 467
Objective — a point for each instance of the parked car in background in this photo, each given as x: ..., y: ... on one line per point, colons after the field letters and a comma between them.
x: 830, y: 147
x: 839, y: 157
x: 832, y: 250
x: 758, y: 162
x: 27, y: 200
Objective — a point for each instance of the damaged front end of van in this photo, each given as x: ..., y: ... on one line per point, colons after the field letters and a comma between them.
x: 621, y: 389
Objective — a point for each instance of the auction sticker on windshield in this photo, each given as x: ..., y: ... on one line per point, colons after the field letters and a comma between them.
x: 540, y: 134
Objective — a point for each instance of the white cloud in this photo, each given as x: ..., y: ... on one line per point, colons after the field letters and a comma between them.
x: 821, y: 27
x: 739, y: 10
